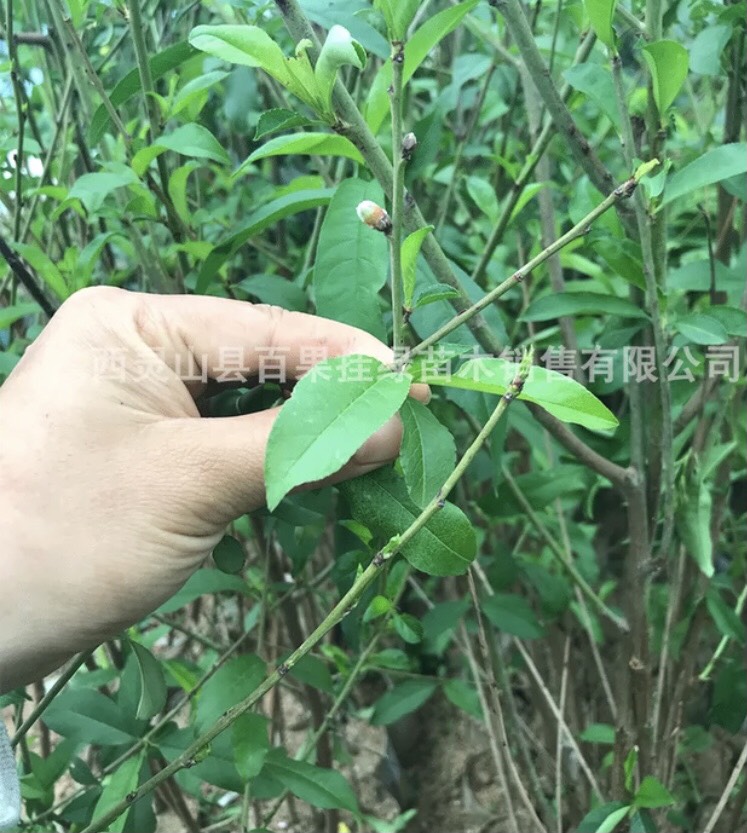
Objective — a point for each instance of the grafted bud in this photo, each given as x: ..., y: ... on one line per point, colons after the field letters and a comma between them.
x: 374, y: 215
x: 409, y: 143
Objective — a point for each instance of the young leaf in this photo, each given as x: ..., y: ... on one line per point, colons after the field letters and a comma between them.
x: 560, y: 395
x: 323, y: 788
x: 339, y: 49
x: 188, y: 140
x: 428, y: 452
x: 613, y: 819
x: 556, y: 305
x: 693, y: 514
x: 652, y: 793
x: 595, y: 82
x: 378, y: 606
x: 439, y: 292
x: 444, y: 547
x: 298, y: 144
x: 352, y: 260
x: 417, y: 48
x: 410, y: 249
x: 276, y: 210
x: 403, y: 699
x: 512, y: 614
x: 713, y: 166
x: 332, y: 412
x: 667, y: 61
x: 398, y: 15
x: 601, y: 14
x: 152, y: 683
x: 246, y: 45
x: 599, y: 733
x: 229, y: 555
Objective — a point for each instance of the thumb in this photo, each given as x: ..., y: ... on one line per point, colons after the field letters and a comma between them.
x: 222, y: 459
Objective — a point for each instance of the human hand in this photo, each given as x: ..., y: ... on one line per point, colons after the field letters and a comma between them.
x: 113, y: 490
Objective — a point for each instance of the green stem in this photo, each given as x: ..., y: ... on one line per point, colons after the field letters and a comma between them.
x: 20, y: 116
x: 579, y: 230
x: 561, y: 555
x: 42, y: 705
x: 535, y: 154
x: 190, y: 756
x: 398, y: 198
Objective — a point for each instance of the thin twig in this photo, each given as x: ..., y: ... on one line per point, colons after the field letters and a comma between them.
x: 398, y: 196
x: 559, y: 743
x: 730, y: 784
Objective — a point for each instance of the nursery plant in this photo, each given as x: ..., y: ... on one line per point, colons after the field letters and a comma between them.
x: 541, y: 208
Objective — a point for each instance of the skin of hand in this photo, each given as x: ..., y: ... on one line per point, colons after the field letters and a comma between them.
x: 113, y: 489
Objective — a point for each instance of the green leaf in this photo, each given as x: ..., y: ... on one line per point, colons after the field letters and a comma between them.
x: 378, y: 606
x: 333, y: 410
x: 203, y: 582
x: 667, y: 61
x: 693, y: 515
x: 233, y: 682
x: 178, y: 190
x: 398, y: 15
x: 408, y: 628
x: 246, y: 45
x: 352, y: 261
x: 403, y: 699
x: 193, y: 89
x: 726, y: 619
x: 319, y: 787
x: 599, y: 733
x: 410, y: 250
x: 713, y: 166
x: 560, y: 395
x: 264, y: 217
x: 130, y: 86
x: 277, y: 119
x: 188, y: 140
x: 445, y: 546
x: 272, y: 289
x: 701, y: 328
x: 9, y: 315
x: 250, y: 744
x: 595, y: 82
x: 706, y: 49
x: 464, y: 696
x: 512, y: 614
x: 732, y: 319
x: 441, y: 355
x: 418, y: 47
x: 339, y: 49
x: 313, y: 672
x: 484, y: 197
x: 598, y: 816
x: 439, y: 292
x: 428, y: 452
x: 555, y: 305
x: 152, y: 683
x: 319, y: 144
x: 229, y: 555
x: 613, y: 819
x: 119, y: 785
x: 46, y: 269
x: 652, y: 793
x: 92, y: 189
x: 601, y: 14
x: 87, y: 716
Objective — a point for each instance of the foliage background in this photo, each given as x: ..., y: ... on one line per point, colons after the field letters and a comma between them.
x: 166, y: 201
